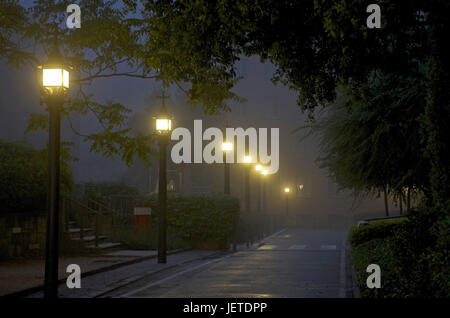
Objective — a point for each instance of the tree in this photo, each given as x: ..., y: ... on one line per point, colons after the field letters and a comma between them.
x: 114, y: 42
x: 368, y: 144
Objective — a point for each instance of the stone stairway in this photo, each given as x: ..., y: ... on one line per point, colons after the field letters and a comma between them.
x: 84, y: 238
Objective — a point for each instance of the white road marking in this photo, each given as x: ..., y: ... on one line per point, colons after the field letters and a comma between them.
x: 297, y: 247
x: 327, y: 247
x: 173, y: 276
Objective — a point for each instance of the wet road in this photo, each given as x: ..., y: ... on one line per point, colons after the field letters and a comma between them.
x: 292, y: 263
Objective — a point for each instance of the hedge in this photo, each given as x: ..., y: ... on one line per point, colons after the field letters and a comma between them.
x: 204, y: 217
x: 373, y: 230
x: 412, y: 252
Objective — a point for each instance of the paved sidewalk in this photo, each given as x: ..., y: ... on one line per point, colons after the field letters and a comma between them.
x: 17, y: 275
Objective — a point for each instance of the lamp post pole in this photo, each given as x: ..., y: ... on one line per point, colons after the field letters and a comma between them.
x: 226, y: 188
x: 287, y: 205
x: 162, y: 196
x: 247, y: 189
x: 52, y: 235
x: 163, y: 129
x: 55, y: 84
x: 228, y: 146
x: 247, y: 203
x: 286, y: 192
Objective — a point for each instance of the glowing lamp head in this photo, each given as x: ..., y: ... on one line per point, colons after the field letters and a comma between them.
x: 300, y: 187
x: 264, y: 172
x: 227, y: 146
x: 55, y: 74
x: 287, y: 190
x: 163, y: 122
x: 258, y: 168
x: 247, y: 159
x: 55, y: 77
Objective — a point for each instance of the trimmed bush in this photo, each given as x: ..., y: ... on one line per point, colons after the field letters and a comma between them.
x: 412, y: 252
x: 378, y: 252
x: 198, y: 217
x: 374, y: 230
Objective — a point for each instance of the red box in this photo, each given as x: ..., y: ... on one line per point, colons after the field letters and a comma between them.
x: 142, y: 218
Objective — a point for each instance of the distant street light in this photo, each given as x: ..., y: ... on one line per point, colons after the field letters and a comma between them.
x: 163, y: 125
x: 55, y: 86
x: 247, y: 159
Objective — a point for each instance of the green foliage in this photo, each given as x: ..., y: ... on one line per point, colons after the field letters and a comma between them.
x: 367, y: 140
x: 376, y: 251
x: 125, y: 234
x: 122, y: 39
x: 412, y: 252
x: 204, y: 217
x: 374, y: 230
x: 421, y: 246
x: 24, y: 177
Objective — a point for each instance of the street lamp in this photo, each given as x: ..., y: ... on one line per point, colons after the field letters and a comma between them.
x: 287, y: 190
x: 258, y: 168
x: 226, y: 146
x: 264, y: 172
x: 163, y: 125
x: 247, y: 160
x: 55, y: 85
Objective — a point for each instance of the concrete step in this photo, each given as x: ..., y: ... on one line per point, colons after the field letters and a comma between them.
x: 109, y: 246
x: 75, y: 232
x: 91, y: 238
x: 77, y: 229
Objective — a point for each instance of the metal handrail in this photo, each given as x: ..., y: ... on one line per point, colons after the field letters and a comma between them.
x: 96, y: 214
x: 107, y: 208
x: 85, y: 206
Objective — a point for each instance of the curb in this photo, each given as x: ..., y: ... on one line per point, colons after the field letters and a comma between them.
x: 35, y: 289
x: 355, y: 286
x: 262, y: 241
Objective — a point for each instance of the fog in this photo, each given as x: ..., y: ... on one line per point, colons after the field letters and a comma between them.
x: 267, y: 106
